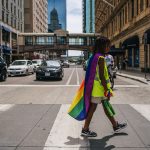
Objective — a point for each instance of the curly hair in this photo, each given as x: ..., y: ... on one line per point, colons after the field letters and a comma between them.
x: 101, y: 44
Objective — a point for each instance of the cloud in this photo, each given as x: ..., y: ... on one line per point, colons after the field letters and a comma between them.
x: 74, y: 16
x: 75, y: 11
x: 74, y: 20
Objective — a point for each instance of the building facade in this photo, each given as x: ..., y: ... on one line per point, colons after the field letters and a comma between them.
x: 11, y: 22
x: 88, y: 12
x: 127, y: 25
x: 35, y: 16
x: 56, y: 15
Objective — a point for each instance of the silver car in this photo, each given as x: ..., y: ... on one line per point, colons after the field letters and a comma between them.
x: 20, y: 67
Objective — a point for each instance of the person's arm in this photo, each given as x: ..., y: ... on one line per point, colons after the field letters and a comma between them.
x: 101, y: 73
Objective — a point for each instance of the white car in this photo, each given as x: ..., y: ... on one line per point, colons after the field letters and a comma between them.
x: 37, y: 63
x: 20, y: 67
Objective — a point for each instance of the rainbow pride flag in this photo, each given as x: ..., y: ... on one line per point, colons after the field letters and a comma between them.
x: 77, y: 108
x: 81, y: 102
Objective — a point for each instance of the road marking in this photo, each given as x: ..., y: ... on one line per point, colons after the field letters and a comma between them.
x: 77, y: 76
x: 23, y: 85
x: 65, y: 131
x: 70, y: 76
x: 5, y: 107
x: 29, y: 85
x: 127, y: 86
x: 143, y: 109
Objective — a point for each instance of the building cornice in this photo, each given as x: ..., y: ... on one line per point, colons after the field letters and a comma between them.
x: 132, y: 30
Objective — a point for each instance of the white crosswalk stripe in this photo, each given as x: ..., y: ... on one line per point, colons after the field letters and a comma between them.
x: 143, y: 109
x: 5, y: 107
x: 65, y: 131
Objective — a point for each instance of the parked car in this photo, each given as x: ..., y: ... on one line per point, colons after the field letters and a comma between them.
x: 37, y: 63
x: 66, y: 64
x: 20, y: 67
x: 50, y: 69
x: 3, y: 70
x: 85, y: 65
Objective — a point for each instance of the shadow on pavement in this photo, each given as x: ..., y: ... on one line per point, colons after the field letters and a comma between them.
x: 95, y: 144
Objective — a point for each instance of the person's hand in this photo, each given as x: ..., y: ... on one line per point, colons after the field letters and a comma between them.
x: 108, y: 94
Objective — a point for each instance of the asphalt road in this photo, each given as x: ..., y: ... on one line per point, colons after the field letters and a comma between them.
x: 33, y: 115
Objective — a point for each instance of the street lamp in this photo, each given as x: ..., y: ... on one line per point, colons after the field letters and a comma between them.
x: 109, y: 4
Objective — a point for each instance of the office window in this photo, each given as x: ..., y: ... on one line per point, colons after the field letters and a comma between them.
x: 11, y: 7
x: 132, y: 8
x: 3, y: 16
x: 7, y: 18
x: 147, y: 3
x: 2, y: 2
x: 11, y: 20
x: 141, y: 5
x: 137, y: 7
x: 14, y: 10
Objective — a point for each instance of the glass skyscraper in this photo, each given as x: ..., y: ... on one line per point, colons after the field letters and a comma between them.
x: 56, y: 15
x: 88, y: 16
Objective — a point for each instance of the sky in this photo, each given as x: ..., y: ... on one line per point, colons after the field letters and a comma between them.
x: 74, y: 20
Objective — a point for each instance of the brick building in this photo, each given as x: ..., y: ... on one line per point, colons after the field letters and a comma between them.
x: 11, y: 22
x: 127, y: 25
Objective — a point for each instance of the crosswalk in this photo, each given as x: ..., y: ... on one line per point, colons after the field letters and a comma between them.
x: 49, y: 127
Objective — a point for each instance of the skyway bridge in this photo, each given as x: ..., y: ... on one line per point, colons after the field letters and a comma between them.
x: 59, y: 40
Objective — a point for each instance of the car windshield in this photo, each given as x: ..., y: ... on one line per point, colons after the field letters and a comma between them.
x: 18, y: 63
x: 35, y: 62
x: 51, y: 64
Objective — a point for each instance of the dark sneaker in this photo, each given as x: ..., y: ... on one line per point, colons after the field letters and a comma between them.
x: 120, y: 126
x: 88, y: 133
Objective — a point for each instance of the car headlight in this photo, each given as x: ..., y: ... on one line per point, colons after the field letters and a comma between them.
x: 39, y: 70
x: 58, y: 69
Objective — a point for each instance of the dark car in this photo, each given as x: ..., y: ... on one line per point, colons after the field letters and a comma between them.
x: 66, y: 64
x: 50, y: 69
x: 3, y: 70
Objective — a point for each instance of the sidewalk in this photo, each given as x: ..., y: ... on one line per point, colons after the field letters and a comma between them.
x: 134, y: 75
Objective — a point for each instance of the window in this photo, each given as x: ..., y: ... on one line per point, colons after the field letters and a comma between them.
x: 6, y: 4
x: 147, y: 3
x: 137, y: 5
x: 11, y: 20
x: 7, y: 18
x: 28, y: 40
x: 3, y: 16
x: 141, y: 5
x: 132, y: 8
x: 2, y: 2
x: 11, y: 7
x: 14, y: 10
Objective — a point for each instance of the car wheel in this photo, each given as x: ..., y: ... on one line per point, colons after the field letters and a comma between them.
x: 3, y: 76
x: 27, y: 72
x: 37, y: 78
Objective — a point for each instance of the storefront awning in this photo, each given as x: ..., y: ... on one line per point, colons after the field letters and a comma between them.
x: 131, y: 42
x: 116, y: 51
x: 6, y: 49
x: 6, y: 29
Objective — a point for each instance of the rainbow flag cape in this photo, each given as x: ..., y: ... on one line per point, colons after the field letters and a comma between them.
x: 81, y: 102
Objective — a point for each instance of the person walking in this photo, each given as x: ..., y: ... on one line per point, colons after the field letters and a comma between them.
x: 97, y: 87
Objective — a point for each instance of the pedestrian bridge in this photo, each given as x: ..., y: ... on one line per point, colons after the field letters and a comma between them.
x: 59, y: 40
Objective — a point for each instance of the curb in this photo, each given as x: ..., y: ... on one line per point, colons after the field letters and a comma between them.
x: 133, y: 78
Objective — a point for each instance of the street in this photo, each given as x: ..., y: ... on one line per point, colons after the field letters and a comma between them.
x: 33, y: 115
